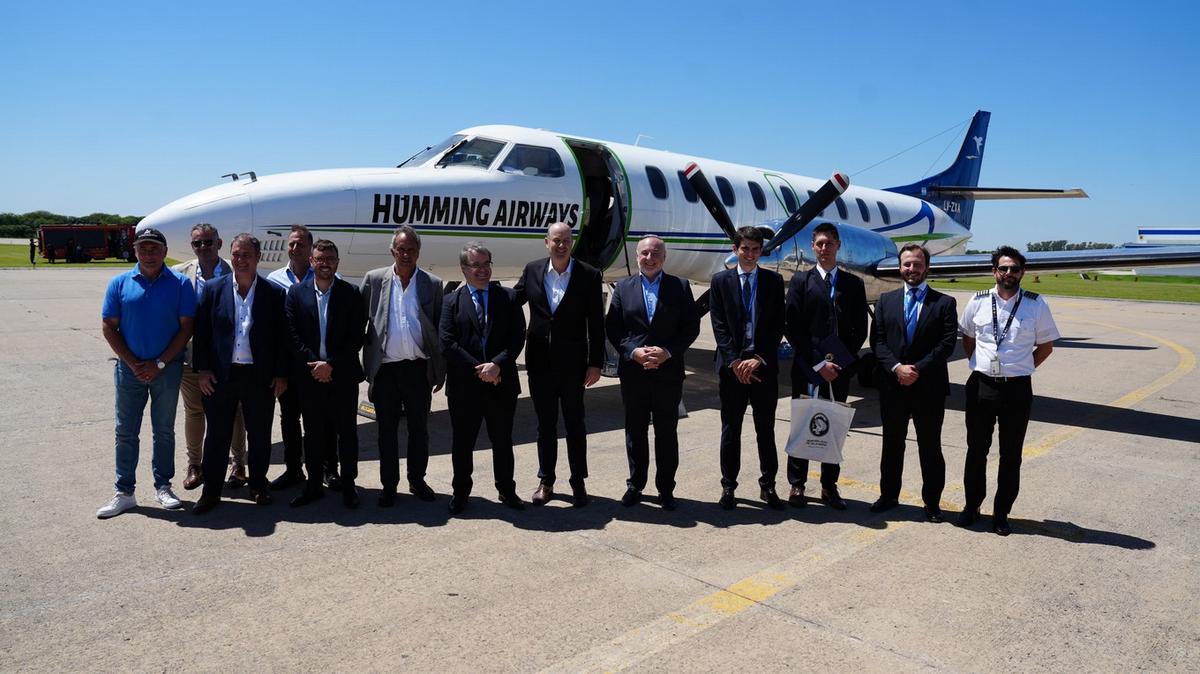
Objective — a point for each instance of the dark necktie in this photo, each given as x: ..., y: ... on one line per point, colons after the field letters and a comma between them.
x: 481, y: 310
x: 829, y: 291
x: 748, y: 307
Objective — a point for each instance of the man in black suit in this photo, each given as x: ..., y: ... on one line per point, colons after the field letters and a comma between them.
x: 483, y: 332
x: 823, y: 301
x: 563, y: 354
x: 652, y: 320
x: 326, y: 324
x: 240, y: 353
x: 746, y: 308
x: 913, y: 336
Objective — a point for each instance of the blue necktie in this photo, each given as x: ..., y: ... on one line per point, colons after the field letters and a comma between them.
x: 748, y: 307
x: 910, y: 314
x: 481, y: 309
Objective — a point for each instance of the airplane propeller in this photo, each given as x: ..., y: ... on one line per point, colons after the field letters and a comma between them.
x: 810, y: 209
x: 705, y: 191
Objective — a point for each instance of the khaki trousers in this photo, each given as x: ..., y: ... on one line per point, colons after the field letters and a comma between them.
x: 193, y: 422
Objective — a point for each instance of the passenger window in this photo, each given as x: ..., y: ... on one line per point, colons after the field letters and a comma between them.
x: 475, y: 153
x: 689, y: 192
x: 789, y: 199
x: 533, y: 160
x: 843, y: 213
x: 756, y: 193
x: 726, y: 191
x: 658, y: 182
x: 887, y: 219
x: 862, y: 210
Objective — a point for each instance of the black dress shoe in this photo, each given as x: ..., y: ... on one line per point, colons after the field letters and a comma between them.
x: 289, y: 478
x: 796, y: 496
x: 831, y: 498
x: 579, y: 495
x: 934, y: 514
x: 387, y: 498
x: 333, y: 481
x: 1000, y: 526
x: 349, y: 494
x: 422, y: 491
x: 667, y: 501
x: 205, y: 504
x: 883, y: 505
x: 512, y: 500
x: 967, y: 517
x: 727, y: 500
x: 631, y: 497
x: 307, y: 496
x: 237, y: 478
x: 260, y: 497
x: 768, y: 495
x: 458, y: 503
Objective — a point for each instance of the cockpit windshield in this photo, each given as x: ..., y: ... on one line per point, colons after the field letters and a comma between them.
x: 432, y: 151
x: 475, y: 153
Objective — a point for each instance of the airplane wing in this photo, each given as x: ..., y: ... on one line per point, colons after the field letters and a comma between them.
x: 945, y: 266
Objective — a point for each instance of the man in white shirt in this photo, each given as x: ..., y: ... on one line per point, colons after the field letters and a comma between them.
x: 1006, y: 332
x: 402, y: 359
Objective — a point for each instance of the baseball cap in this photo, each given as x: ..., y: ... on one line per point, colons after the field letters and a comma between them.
x: 150, y: 234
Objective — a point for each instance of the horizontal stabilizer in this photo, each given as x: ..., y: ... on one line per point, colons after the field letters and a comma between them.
x: 981, y: 193
x: 945, y: 266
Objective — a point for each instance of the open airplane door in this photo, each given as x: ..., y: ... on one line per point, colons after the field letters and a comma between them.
x: 601, y: 236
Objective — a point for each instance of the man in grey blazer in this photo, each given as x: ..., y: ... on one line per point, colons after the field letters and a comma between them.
x: 402, y: 357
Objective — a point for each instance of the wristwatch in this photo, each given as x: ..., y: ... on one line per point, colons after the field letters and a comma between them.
x: 160, y: 363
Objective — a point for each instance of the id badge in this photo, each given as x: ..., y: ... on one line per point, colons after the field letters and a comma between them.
x: 994, y: 369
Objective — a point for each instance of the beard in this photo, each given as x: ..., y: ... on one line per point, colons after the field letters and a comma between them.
x: 1009, y: 282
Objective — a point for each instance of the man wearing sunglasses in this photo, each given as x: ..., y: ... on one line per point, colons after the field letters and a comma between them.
x: 1006, y: 332
x: 207, y: 265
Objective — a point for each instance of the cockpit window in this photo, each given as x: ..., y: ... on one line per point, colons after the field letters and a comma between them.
x: 433, y: 151
x: 475, y: 153
x: 533, y: 160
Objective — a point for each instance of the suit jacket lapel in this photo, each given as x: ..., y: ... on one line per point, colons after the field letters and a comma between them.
x: 467, y: 292
x: 923, y: 319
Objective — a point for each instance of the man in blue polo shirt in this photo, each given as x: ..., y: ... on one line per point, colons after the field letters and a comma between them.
x: 147, y: 321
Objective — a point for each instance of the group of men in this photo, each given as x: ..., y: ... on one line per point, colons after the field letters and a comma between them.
x: 234, y: 342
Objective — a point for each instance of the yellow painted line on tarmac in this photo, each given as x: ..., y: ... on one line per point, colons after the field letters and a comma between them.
x: 643, y: 642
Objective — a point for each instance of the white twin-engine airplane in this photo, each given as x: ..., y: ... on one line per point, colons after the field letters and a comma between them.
x: 505, y: 184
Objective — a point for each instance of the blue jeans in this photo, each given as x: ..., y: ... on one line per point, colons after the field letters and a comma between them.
x: 132, y: 393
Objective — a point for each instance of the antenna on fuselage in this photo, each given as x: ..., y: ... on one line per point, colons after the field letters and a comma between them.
x: 231, y: 175
x: 639, y: 138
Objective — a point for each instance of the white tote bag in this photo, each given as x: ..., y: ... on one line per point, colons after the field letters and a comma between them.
x: 819, y: 428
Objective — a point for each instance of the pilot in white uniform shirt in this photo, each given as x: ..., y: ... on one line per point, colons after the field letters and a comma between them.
x: 1032, y: 325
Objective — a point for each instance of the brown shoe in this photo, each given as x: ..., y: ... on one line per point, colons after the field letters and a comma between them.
x: 543, y: 494
x: 194, y: 478
x: 796, y: 496
x: 237, y: 477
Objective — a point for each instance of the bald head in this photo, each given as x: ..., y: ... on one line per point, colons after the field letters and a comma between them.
x: 558, y: 243
x: 651, y: 254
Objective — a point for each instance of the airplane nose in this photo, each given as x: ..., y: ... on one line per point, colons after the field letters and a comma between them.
x: 226, y: 207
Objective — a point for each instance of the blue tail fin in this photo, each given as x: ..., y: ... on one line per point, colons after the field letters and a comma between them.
x: 964, y: 172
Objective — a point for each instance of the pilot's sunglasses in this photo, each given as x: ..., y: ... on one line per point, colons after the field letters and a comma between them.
x: 203, y: 243
x: 1009, y: 268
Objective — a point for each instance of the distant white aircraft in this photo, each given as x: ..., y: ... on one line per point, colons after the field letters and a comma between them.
x: 504, y: 184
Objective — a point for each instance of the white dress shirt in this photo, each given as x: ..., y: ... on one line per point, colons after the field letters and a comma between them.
x: 243, y: 311
x: 404, y: 340
x: 556, y: 284
x: 1032, y: 325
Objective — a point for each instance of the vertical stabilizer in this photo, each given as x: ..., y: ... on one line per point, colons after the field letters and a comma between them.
x: 964, y: 172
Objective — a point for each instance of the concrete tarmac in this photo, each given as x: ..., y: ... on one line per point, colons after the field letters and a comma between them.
x: 1102, y: 572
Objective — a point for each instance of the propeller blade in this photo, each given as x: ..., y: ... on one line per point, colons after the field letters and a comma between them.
x: 705, y: 191
x: 810, y: 209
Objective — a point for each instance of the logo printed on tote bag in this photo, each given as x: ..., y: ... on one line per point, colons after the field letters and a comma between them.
x: 819, y: 425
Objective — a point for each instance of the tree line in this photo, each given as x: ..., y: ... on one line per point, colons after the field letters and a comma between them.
x: 24, y: 225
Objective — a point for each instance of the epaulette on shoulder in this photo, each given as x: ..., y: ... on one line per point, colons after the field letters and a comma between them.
x: 983, y: 293
x: 1030, y: 294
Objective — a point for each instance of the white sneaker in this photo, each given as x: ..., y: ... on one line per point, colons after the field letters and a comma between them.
x: 168, y: 499
x: 119, y: 504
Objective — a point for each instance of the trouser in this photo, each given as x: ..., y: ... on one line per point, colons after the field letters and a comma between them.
x: 401, y: 390
x: 220, y: 408
x: 551, y: 390
x: 131, y: 397
x: 650, y: 398
x: 763, y: 399
x: 289, y: 426
x: 193, y: 422
x: 797, y: 469
x: 468, y: 410
x: 896, y: 406
x: 330, y: 417
x: 989, y: 400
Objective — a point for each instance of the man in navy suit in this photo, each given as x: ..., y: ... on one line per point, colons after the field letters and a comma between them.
x: 652, y: 320
x: 746, y: 308
x: 483, y: 332
x: 563, y: 354
x: 240, y: 353
x: 823, y: 301
x: 326, y: 324
x: 913, y: 336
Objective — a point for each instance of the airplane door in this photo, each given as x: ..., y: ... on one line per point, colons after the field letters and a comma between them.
x: 601, y: 237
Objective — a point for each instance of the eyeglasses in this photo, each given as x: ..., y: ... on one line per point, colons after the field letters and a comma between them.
x: 203, y: 243
x: 1009, y: 268
x: 478, y: 265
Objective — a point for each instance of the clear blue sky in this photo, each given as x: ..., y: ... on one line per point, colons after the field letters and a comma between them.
x: 122, y: 107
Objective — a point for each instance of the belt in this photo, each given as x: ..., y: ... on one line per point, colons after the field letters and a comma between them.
x: 1001, y: 379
